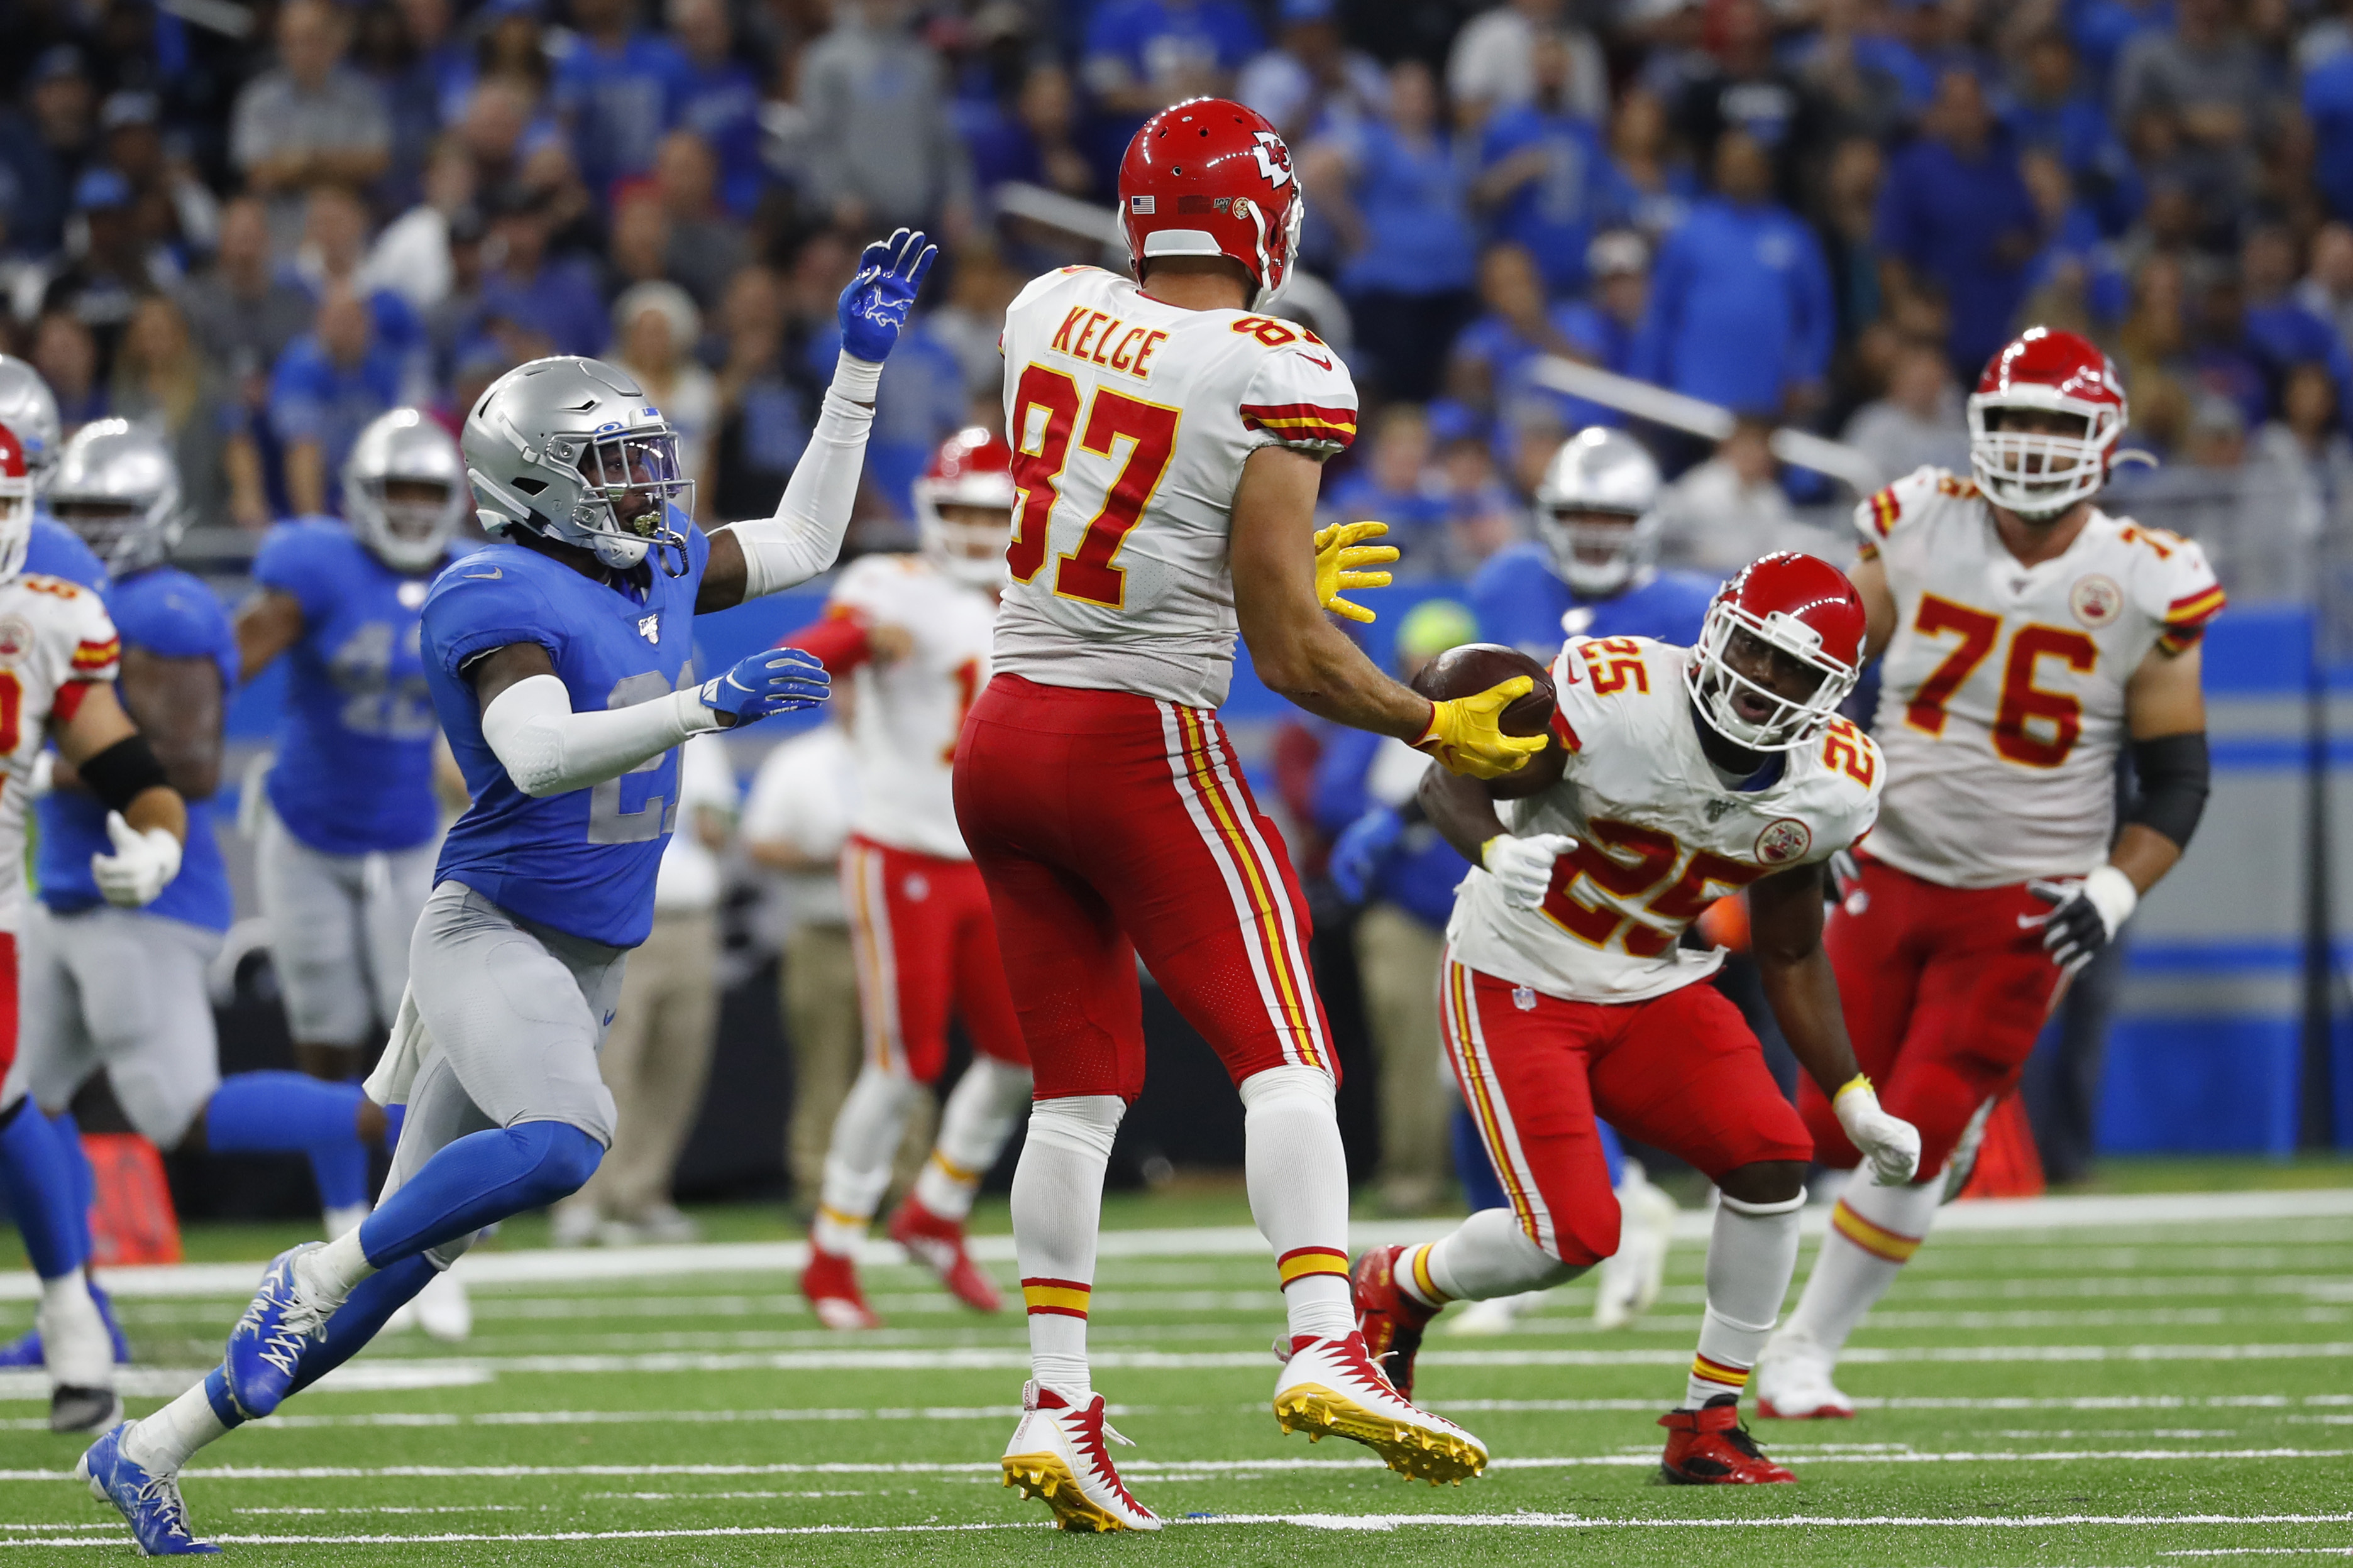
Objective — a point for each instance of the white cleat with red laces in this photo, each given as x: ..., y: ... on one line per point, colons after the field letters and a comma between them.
x: 1332, y: 1385
x: 1058, y: 1453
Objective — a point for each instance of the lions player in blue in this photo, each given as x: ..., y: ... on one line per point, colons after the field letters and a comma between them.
x: 561, y: 663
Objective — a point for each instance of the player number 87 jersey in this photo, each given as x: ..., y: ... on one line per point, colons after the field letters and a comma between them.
x: 53, y: 634
x: 1659, y: 836
x: 2001, y: 701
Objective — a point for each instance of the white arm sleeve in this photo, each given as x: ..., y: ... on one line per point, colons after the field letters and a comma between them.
x: 805, y: 535
x: 547, y: 748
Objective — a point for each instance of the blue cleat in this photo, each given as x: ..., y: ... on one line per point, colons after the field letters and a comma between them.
x: 27, y: 1351
x: 280, y: 1326
x: 150, y: 1504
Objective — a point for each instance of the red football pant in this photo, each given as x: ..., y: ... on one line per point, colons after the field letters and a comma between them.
x: 1943, y: 995
x: 925, y: 945
x: 1109, y: 825
x: 1682, y: 1072
x: 9, y: 1003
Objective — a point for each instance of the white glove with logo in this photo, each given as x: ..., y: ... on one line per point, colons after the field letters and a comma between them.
x: 142, y: 866
x: 2085, y: 914
x: 1891, y: 1143
x: 1525, y: 865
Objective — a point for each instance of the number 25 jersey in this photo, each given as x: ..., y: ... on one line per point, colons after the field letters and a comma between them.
x: 1659, y: 836
x: 2001, y: 701
x: 1129, y: 422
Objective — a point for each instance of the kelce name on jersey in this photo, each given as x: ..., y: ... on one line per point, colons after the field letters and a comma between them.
x: 1110, y: 346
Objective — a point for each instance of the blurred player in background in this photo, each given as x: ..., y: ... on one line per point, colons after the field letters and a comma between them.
x: 1168, y: 445
x: 915, y: 630
x: 59, y: 656
x: 561, y: 661
x: 1677, y: 775
x: 118, y: 487
x: 348, y: 817
x: 2029, y: 638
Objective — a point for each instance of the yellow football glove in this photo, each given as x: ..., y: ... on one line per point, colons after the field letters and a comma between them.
x: 1466, y: 734
x: 1338, y: 557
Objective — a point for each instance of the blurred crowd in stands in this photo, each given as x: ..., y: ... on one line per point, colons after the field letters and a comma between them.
x: 260, y: 225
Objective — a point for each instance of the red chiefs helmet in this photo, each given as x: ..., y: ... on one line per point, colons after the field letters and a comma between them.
x: 2033, y: 474
x: 972, y: 467
x: 15, y: 502
x: 1797, y: 605
x: 1208, y: 177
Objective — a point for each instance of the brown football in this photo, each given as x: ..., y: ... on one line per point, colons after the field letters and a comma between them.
x: 1474, y: 667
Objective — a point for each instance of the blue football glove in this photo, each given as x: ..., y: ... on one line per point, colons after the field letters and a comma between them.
x: 781, y: 680
x: 1362, y: 845
x: 875, y: 305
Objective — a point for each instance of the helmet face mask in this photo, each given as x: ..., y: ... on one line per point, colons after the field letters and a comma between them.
x: 405, y: 489
x: 118, y: 486
x: 1595, y: 511
x: 15, y: 503
x: 2044, y: 423
x: 569, y: 448
x: 1780, y: 649
x: 29, y: 409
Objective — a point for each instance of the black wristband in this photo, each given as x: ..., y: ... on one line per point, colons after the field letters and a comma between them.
x: 2173, y: 774
x: 122, y: 773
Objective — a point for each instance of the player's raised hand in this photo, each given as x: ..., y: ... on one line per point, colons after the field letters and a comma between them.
x: 1362, y: 845
x: 142, y: 866
x: 1466, y: 733
x: 1891, y: 1143
x: 1523, y: 866
x: 778, y: 680
x: 1341, y: 557
x: 2085, y: 914
x: 874, y: 307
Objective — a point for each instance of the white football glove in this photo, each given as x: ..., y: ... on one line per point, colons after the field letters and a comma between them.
x: 2085, y: 915
x: 1891, y: 1143
x: 1525, y: 865
x: 43, y: 776
x: 142, y: 866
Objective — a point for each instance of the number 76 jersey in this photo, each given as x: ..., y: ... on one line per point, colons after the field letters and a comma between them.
x: 2001, y: 701
x: 1659, y: 836
x: 1129, y: 422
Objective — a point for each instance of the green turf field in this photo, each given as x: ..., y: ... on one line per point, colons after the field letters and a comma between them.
x: 2151, y: 1389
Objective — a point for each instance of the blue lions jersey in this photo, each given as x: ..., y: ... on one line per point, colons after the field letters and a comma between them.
x: 168, y: 613
x: 1519, y: 601
x: 354, y: 768
x: 582, y: 862
x: 57, y: 551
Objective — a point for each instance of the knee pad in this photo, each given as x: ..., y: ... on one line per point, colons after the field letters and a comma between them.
x: 1082, y: 1123
x: 1275, y: 1085
x: 1786, y: 1205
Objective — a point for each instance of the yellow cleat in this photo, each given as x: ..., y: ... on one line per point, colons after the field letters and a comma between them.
x: 1058, y: 1455
x: 1332, y: 1385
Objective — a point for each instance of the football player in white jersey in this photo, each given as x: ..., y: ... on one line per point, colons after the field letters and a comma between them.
x: 1168, y: 438
x: 1677, y: 777
x: 58, y: 657
x: 2027, y: 635
x: 913, y: 632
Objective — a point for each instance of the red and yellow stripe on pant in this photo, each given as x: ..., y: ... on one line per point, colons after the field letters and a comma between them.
x: 1061, y: 1298
x: 1731, y: 1379
x: 1305, y: 1262
x: 1876, y: 1239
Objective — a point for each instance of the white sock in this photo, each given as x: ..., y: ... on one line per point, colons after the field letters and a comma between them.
x: 348, y: 1217
x: 78, y: 1350
x: 160, y: 1443
x: 857, y: 1163
x: 1487, y: 1254
x: 1057, y: 1210
x: 1297, y: 1175
x: 974, y: 1125
x: 1874, y: 1231
x: 1750, y: 1257
x: 328, y: 1273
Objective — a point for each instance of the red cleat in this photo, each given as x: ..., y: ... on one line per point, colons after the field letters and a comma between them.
x: 937, y: 1243
x: 1390, y: 1319
x: 1710, y: 1447
x: 831, y: 1283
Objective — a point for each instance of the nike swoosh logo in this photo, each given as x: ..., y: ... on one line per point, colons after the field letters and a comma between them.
x: 1310, y: 359
x: 495, y: 573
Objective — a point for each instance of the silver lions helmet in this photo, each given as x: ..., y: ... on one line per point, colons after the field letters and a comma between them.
x: 1596, y: 511
x: 118, y: 486
x: 571, y: 449
x: 29, y: 408
x: 405, y: 489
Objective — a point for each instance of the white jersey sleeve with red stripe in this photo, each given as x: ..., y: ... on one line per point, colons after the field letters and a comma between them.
x: 911, y: 710
x: 1659, y: 836
x: 54, y: 637
x: 2003, y: 694
x: 1131, y: 420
